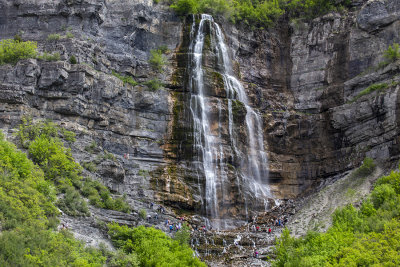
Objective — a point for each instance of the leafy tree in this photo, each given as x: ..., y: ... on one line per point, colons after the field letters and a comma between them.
x: 184, y: 7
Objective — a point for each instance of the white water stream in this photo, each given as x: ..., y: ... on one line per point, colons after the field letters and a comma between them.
x: 252, y: 176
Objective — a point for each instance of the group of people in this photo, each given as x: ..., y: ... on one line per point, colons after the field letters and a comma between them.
x: 173, y: 226
x: 279, y: 222
x: 160, y: 208
x: 257, y: 228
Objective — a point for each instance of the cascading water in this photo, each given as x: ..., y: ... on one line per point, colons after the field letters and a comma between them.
x: 252, y: 176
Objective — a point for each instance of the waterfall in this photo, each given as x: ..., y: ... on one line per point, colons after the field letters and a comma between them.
x: 252, y: 173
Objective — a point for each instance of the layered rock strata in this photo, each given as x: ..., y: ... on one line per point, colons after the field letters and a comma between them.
x: 304, y: 78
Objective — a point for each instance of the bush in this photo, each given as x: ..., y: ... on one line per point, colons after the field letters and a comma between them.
x: 142, y: 214
x: 92, y: 147
x: 381, y: 194
x: 392, y: 53
x: 153, y: 247
x: 72, y: 59
x: 11, y: 50
x: 157, y: 60
x: 53, y: 37
x: 109, y: 156
x: 28, y: 131
x: 153, y: 85
x: 119, y: 258
x: 367, y: 167
x: 17, y: 38
x: 55, y: 160
x: 73, y: 204
x: 90, y: 166
x: 99, y: 196
x: 69, y: 35
x: 183, y: 235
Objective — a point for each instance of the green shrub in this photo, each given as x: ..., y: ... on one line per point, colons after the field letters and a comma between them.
x: 152, y: 247
x: 154, y: 84
x: 73, y: 204
x: 50, y: 57
x: 125, y: 79
x: 90, y: 166
x: 53, y: 37
x: 72, y: 59
x: 392, y: 53
x: 28, y: 131
x: 164, y: 49
x: 55, y: 160
x: 17, y: 38
x: 11, y: 50
x: 157, y: 60
x: 92, y: 147
x: 142, y: 214
x: 367, y: 167
x: 99, y: 196
x: 119, y: 258
x: 183, y: 235
x: 69, y: 35
x: 109, y: 156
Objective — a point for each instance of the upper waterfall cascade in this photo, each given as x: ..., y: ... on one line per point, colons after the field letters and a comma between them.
x: 251, y: 172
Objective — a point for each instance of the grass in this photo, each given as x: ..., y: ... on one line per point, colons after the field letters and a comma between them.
x: 125, y: 79
x: 49, y: 57
x: 369, y: 90
x: 53, y: 37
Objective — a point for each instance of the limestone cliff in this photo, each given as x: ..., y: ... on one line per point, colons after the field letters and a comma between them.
x: 303, y: 77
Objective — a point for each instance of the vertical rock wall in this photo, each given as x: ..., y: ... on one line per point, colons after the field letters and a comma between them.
x: 303, y: 77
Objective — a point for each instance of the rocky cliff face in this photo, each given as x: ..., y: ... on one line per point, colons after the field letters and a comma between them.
x: 302, y: 77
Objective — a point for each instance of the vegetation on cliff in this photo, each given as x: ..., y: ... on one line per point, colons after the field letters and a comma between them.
x: 260, y: 13
x: 13, y: 50
x: 363, y: 236
x: 30, y: 191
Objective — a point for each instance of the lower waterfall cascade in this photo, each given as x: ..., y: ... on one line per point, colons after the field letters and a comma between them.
x: 252, y: 169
